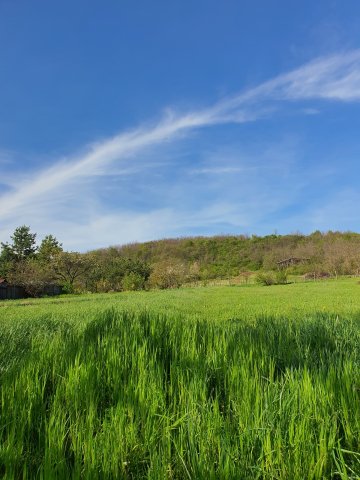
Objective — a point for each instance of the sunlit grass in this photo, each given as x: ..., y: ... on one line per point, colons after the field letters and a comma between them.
x: 340, y: 297
x: 213, y: 383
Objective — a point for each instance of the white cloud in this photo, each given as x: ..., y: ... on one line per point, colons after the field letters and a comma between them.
x: 48, y: 194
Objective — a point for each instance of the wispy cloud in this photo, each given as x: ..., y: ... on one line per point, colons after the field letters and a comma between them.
x: 216, y: 170
x: 337, y: 210
x: 5, y: 157
x: 310, y: 111
x: 335, y: 77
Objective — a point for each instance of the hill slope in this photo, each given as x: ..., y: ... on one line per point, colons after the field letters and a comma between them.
x: 222, y: 256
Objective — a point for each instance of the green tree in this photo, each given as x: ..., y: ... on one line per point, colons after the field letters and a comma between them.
x: 32, y: 275
x: 70, y: 267
x: 110, y: 272
x: 23, y: 244
x: 49, y: 248
x: 168, y: 274
x: 133, y: 281
x: 6, y: 260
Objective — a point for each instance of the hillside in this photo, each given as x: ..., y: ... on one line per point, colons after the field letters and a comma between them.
x: 170, y: 263
x: 335, y: 253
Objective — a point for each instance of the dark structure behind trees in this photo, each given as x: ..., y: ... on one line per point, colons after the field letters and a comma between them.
x: 170, y: 263
x: 15, y: 292
x: 289, y: 262
x: 10, y: 292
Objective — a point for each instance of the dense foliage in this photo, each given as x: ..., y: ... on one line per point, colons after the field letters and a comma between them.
x: 335, y: 253
x: 171, y: 263
x: 34, y: 267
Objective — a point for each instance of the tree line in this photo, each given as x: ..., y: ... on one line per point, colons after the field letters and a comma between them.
x: 204, y: 258
x: 34, y: 266
x: 170, y: 263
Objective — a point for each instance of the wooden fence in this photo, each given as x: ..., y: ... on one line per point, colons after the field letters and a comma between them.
x: 11, y: 292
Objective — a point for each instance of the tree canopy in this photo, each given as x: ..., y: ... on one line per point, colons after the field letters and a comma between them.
x: 23, y: 244
x: 172, y: 262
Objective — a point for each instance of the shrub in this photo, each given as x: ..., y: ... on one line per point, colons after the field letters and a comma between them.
x: 265, y: 278
x: 281, y: 277
x: 68, y: 287
x: 168, y: 275
x: 133, y: 281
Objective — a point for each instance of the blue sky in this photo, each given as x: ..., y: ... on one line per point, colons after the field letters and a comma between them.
x: 124, y: 121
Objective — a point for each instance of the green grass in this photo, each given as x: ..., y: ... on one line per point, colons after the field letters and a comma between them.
x: 341, y: 297
x: 208, y: 383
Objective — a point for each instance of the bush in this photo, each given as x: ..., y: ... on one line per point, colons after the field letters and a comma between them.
x: 271, y: 278
x: 281, y: 277
x: 68, y: 288
x: 168, y: 275
x: 133, y: 281
x: 265, y: 278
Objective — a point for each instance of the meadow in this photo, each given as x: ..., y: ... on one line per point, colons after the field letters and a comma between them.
x: 222, y: 382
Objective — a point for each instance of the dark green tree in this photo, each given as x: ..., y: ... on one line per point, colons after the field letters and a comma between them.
x: 70, y: 267
x: 32, y: 275
x: 6, y: 259
x: 23, y: 244
x: 49, y: 248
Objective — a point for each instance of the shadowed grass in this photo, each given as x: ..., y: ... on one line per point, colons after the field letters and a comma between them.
x: 144, y: 395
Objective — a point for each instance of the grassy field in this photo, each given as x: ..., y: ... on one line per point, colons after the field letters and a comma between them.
x: 338, y: 297
x: 206, y: 383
